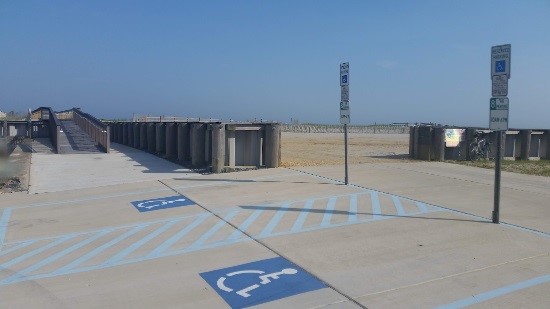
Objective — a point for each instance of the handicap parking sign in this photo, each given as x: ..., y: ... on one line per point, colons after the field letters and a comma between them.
x: 344, y: 80
x: 500, y: 66
x: 162, y: 203
x: 259, y: 282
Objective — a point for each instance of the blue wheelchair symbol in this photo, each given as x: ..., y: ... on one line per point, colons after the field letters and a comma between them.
x: 344, y: 79
x: 259, y: 282
x: 500, y: 66
x: 162, y: 203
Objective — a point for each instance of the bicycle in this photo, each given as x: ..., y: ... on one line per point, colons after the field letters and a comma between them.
x: 480, y: 147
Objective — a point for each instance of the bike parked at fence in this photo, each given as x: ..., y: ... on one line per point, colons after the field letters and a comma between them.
x: 480, y: 147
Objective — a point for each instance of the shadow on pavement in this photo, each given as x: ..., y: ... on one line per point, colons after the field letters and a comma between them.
x: 151, y: 162
x: 343, y: 212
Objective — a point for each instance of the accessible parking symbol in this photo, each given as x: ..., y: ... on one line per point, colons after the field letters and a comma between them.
x: 260, y: 282
x: 162, y: 203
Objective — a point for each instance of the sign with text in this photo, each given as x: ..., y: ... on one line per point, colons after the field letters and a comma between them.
x: 500, y: 60
x: 344, y: 93
x: 344, y: 74
x: 498, y: 114
x: 500, y: 86
x: 344, y: 112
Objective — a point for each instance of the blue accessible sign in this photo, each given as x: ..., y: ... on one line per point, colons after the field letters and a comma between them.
x: 260, y: 282
x: 500, y: 66
x: 162, y: 203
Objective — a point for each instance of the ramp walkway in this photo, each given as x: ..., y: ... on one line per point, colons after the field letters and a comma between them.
x: 73, y: 140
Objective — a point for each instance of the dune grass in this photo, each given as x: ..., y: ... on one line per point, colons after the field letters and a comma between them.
x: 528, y: 167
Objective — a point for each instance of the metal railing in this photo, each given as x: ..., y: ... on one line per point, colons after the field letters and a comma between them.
x: 95, y: 128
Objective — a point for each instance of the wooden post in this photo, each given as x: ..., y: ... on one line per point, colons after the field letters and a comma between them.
x: 197, y: 144
x: 411, y: 142
x: 171, y: 141
x: 108, y: 139
x: 160, y: 138
x: 125, y: 133
x: 525, y: 136
x: 231, y: 153
x: 5, y: 129
x: 545, y: 145
x: 137, y: 133
x: 273, y: 145
x: 218, y: 147
x: 184, y: 154
x: 207, y: 144
x: 143, y: 135
x: 130, y: 134
x: 151, y: 137
x: 120, y: 128
x: 438, y: 144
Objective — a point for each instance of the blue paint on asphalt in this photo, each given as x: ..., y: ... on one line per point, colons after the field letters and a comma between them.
x: 352, y: 217
x: 54, y: 257
x: 421, y: 206
x: 274, y: 221
x: 136, y: 245
x: 100, y: 249
x: 398, y: 206
x: 375, y: 200
x: 246, y: 224
x: 260, y: 282
x: 172, y: 240
x: 299, y: 223
x: 479, y: 298
x: 162, y: 203
x: 4, y: 225
x: 167, y: 236
x: 39, y: 250
x: 17, y: 247
x: 328, y: 212
x: 204, y: 237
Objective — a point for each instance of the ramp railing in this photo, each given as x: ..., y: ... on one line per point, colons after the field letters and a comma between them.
x: 95, y: 128
x: 54, y: 127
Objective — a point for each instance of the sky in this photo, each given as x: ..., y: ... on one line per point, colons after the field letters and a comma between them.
x: 410, y: 61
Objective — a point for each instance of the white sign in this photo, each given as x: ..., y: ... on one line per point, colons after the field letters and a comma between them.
x: 344, y: 105
x: 498, y: 115
x: 500, y: 86
x: 344, y: 74
x: 344, y: 93
x: 500, y: 60
x: 344, y: 112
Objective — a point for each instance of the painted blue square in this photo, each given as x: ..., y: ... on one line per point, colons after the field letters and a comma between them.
x: 162, y: 203
x: 260, y: 282
x: 344, y: 79
x: 500, y: 66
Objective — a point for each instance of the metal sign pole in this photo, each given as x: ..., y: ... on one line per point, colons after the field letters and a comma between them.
x: 498, y: 158
x: 344, y: 110
x: 498, y: 110
x: 346, y: 151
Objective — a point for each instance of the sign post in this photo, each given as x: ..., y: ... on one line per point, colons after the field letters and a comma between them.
x: 498, y: 110
x: 344, y: 110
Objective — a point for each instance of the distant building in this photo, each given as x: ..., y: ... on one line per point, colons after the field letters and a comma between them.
x: 2, y: 115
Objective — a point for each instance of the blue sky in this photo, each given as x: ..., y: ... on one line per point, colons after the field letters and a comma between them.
x: 410, y: 61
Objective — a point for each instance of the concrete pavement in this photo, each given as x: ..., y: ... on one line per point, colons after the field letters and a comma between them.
x: 403, y: 235
x: 51, y: 172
